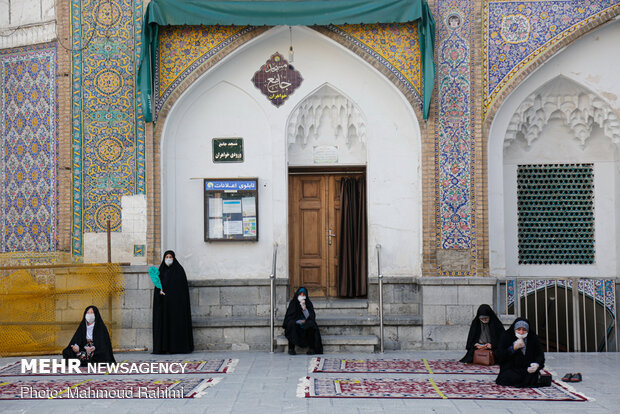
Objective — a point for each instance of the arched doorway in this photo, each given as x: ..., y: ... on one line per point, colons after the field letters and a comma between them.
x: 224, y: 103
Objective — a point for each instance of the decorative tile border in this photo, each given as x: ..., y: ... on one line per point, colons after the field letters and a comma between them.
x: 454, y: 144
x: 28, y: 149
x: 108, y: 140
x: 517, y: 32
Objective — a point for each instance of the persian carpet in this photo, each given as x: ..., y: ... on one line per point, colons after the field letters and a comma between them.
x: 109, y: 388
x: 127, y: 367
x: 311, y: 387
x: 404, y: 366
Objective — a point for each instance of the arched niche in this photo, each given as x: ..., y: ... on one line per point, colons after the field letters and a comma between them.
x: 562, y: 114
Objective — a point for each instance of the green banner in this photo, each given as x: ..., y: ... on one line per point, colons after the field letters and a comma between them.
x: 291, y: 13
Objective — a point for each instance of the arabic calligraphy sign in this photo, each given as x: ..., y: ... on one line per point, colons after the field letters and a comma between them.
x: 277, y: 79
x: 227, y: 149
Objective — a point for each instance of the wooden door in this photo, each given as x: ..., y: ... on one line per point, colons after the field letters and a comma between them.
x: 314, y: 232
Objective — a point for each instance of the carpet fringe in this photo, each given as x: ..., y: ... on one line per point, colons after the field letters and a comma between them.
x: 202, y: 388
x: 314, y: 364
x: 303, y: 387
x: 232, y: 364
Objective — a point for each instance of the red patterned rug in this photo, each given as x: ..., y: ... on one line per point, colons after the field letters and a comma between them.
x: 44, y: 389
x: 311, y: 387
x: 405, y: 366
x: 207, y: 366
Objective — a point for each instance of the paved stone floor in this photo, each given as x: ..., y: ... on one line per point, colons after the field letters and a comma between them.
x: 267, y: 383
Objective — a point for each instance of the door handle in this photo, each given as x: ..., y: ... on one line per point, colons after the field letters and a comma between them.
x: 329, y: 237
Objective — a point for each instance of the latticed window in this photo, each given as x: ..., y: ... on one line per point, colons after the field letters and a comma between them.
x: 555, y: 213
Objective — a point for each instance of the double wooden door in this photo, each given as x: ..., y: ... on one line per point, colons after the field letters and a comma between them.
x: 314, y: 232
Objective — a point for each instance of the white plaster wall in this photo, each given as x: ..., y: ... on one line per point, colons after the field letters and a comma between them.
x: 26, y: 22
x: 593, y: 62
x: 224, y: 103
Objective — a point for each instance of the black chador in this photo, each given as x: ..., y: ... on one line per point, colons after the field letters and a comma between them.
x: 92, y: 340
x: 519, y: 362
x: 300, y: 325
x: 483, y: 333
x: 172, y: 316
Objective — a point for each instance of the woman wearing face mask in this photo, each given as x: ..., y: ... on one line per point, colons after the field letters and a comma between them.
x: 300, y: 325
x: 484, y: 333
x: 172, y: 316
x: 91, y: 341
x: 520, y: 356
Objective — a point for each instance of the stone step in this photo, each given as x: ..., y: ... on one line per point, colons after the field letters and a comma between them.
x: 340, y: 343
x: 324, y: 321
x: 340, y: 303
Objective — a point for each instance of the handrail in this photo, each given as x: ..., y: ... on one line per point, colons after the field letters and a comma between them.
x: 380, y: 277
x: 272, y: 279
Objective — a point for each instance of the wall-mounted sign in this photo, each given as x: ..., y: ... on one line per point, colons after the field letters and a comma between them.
x: 277, y: 79
x: 231, y: 209
x: 227, y: 149
x: 326, y: 154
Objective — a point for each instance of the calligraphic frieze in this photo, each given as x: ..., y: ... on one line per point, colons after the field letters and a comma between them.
x: 277, y: 79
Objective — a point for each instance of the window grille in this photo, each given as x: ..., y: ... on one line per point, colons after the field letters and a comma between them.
x: 555, y: 208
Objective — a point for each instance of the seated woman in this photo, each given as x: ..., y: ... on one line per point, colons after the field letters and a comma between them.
x: 91, y: 341
x: 300, y: 326
x: 484, y: 333
x: 520, y: 356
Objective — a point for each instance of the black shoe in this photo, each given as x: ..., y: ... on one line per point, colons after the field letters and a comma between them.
x: 575, y: 377
x: 291, y: 350
x: 310, y: 351
x: 567, y: 377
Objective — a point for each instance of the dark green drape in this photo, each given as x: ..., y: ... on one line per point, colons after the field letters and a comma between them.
x: 280, y: 12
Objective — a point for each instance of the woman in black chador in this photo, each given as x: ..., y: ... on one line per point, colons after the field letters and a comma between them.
x: 300, y: 325
x: 91, y: 341
x: 172, y: 316
x: 520, y: 356
x: 484, y: 333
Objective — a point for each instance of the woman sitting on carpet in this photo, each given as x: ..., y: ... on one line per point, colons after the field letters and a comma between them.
x: 520, y: 356
x: 300, y: 326
x: 484, y: 333
x: 91, y: 341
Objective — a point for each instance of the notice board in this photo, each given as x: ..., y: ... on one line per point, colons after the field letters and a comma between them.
x: 231, y: 209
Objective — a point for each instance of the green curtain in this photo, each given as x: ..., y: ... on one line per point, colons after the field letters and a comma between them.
x: 290, y: 13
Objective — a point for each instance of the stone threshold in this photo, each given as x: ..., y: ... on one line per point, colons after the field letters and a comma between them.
x: 340, y: 320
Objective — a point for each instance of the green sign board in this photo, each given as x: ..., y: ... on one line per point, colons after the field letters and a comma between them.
x: 227, y: 149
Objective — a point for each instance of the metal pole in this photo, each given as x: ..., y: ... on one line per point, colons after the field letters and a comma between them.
x: 272, y: 279
x: 517, y: 298
x: 557, y: 332
x: 576, y: 330
x: 109, y: 243
x: 380, y: 276
x: 594, y: 312
x: 605, y: 332
x: 585, y: 320
x: 566, y: 314
x: 546, y: 317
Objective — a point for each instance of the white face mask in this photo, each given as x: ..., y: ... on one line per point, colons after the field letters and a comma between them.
x: 169, y: 262
x: 90, y: 317
x: 301, y: 298
x: 521, y: 336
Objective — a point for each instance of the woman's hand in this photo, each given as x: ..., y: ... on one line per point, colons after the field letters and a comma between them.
x: 518, y: 344
x: 488, y: 346
x: 161, y: 292
x: 75, y: 348
x: 89, y: 349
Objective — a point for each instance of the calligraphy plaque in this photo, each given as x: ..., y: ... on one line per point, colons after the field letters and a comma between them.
x: 277, y: 79
x: 227, y: 149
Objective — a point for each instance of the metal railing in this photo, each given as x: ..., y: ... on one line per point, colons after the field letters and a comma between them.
x: 272, y: 281
x: 380, y: 277
x: 569, y: 314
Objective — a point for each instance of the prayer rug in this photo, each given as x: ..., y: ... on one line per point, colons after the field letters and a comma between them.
x: 127, y: 367
x: 404, y: 366
x: 108, y: 388
x: 311, y: 387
